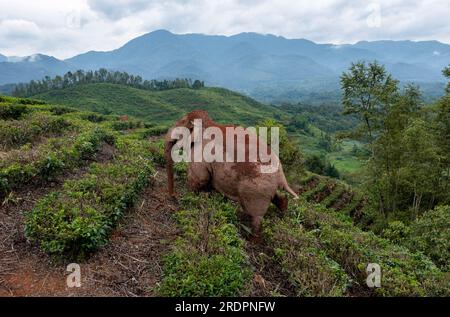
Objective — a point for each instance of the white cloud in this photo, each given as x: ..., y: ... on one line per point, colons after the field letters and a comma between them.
x: 66, y: 28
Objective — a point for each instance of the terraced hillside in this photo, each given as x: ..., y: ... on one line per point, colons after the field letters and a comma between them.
x: 90, y: 188
x: 332, y: 194
x: 162, y: 107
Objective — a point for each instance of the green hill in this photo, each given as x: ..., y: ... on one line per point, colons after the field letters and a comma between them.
x: 161, y: 107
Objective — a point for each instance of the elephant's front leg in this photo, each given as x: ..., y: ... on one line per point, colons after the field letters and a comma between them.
x: 198, y: 176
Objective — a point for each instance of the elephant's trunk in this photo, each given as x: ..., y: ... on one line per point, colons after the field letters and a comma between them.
x: 169, y: 165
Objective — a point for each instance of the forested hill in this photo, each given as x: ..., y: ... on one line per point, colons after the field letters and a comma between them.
x: 162, y: 107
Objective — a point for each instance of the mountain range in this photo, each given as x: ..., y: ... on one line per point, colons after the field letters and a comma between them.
x: 248, y: 62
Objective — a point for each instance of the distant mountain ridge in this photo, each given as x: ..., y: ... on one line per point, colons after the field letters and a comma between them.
x: 246, y: 62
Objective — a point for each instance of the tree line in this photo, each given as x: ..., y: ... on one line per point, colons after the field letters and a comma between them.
x: 408, y: 166
x: 80, y: 77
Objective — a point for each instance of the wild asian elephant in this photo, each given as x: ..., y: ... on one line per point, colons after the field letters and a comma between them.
x: 242, y: 181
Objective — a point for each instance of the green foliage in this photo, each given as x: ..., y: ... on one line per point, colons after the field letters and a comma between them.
x: 315, y: 164
x: 289, y: 151
x: 404, y: 273
x: 446, y: 72
x: 367, y: 91
x: 322, y: 184
x: 208, y: 259
x: 310, y: 271
x: 77, y: 219
x: 430, y: 234
x: 157, y: 152
x: 334, y: 196
x: 126, y: 125
x: 326, y: 117
x: 162, y: 107
x: 81, y: 77
x: 396, y: 231
x: 12, y: 111
x: 153, y: 131
x: 93, y: 117
x: 14, y: 133
x: 408, y: 169
x: 50, y: 159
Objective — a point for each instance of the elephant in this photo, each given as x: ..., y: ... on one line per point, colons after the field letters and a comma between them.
x: 240, y: 181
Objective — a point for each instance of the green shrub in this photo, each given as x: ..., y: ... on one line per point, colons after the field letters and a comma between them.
x: 93, y: 117
x: 12, y: 111
x: 180, y: 170
x: 396, y: 231
x: 18, y: 132
x: 152, y: 131
x: 404, y: 273
x: 87, y: 144
x: 321, y: 186
x: 308, y: 268
x: 334, y: 196
x: 208, y: 259
x: 430, y: 234
x: 78, y: 219
x: 157, y: 152
x: 60, y: 110
x: 55, y: 156
x: 28, y: 101
x: 125, y: 125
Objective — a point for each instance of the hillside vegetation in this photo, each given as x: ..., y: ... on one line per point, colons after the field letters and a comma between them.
x: 161, y: 107
x: 88, y: 170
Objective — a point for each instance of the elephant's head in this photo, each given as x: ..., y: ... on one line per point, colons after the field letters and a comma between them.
x: 187, y: 122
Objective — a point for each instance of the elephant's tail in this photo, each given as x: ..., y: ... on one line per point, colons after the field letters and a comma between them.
x: 285, y: 185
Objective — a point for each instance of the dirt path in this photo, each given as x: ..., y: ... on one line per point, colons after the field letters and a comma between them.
x: 130, y: 265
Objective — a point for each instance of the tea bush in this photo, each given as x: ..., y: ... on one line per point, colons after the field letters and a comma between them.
x: 404, y: 273
x: 126, y: 125
x: 308, y: 268
x: 77, y: 219
x: 208, y: 259
x: 12, y: 111
x: 15, y: 133
x: 52, y: 158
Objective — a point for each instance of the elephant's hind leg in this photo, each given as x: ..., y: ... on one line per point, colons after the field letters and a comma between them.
x: 281, y: 201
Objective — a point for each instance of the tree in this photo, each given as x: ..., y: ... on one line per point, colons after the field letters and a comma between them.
x: 81, y: 77
x: 408, y: 170
x: 446, y: 72
x: 331, y: 171
x: 197, y: 84
x: 367, y: 91
x: 315, y: 164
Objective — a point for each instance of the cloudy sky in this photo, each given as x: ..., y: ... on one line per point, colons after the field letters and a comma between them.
x: 69, y: 27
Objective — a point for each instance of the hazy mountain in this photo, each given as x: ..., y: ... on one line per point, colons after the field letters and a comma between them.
x: 249, y: 62
x: 23, y: 69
